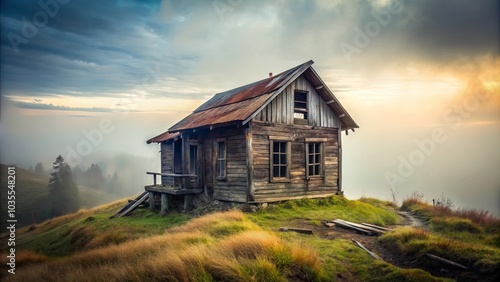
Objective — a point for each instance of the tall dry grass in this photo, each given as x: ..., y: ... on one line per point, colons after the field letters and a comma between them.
x: 485, y: 219
x: 216, y: 247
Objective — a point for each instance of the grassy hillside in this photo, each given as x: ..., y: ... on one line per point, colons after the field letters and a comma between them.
x: 229, y: 246
x: 32, y: 193
x: 469, y: 237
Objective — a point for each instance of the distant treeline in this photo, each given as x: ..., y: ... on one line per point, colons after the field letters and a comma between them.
x: 91, y: 176
x: 123, y: 175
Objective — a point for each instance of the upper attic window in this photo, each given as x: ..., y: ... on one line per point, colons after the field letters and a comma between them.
x: 300, y: 106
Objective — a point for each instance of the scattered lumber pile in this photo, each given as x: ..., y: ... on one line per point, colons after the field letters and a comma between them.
x: 131, y: 205
x: 363, y: 228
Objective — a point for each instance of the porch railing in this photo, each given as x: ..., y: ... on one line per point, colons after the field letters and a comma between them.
x: 182, y: 177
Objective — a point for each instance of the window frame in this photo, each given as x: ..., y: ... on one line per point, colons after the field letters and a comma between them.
x: 288, y: 153
x: 217, y: 159
x: 304, y: 110
x: 193, y: 158
x: 321, y: 142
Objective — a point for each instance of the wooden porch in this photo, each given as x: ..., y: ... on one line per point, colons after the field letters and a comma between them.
x: 184, y: 189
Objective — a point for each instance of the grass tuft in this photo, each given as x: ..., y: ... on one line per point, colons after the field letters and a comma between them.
x: 454, y: 224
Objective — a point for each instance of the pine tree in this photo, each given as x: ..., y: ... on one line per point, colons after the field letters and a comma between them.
x: 63, y: 191
x: 39, y: 169
x: 95, y: 177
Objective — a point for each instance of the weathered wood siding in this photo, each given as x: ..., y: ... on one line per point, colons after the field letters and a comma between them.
x: 234, y: 187
x: 208, y: 172
x: 280, y: 109
x: 167, y: 162
x: 299, y: 185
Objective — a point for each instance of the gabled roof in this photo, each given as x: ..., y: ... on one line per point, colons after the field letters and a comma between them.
x: 243, y: 103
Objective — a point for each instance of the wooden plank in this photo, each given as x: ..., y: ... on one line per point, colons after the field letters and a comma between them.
x: 339, y: 179
x: 249, y: 159
x: 279, y: 111
x: 134, y: 205
x: 161, y: 189
x: 377, y: 227
x: 171, y: 174
x: 278, y: 199
x: 315, y: 139
x: 366, y: 250
x: 368, y: 228
x: 298, y: 230
x: 343, y: 224
x: 446, y: 261
x: 269, y: 113
x: 129, y: 204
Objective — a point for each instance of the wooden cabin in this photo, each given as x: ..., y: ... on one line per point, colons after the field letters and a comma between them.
x: 275, y: 139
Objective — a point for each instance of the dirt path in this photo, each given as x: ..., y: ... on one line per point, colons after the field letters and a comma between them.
x: 371, y: 243
x: 412, y: 220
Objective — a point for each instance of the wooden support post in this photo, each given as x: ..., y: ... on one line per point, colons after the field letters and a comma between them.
x: 188, y: 202
x: 249, y: 153
x: 186, y: 181
x: 339, y: 158
x: 164, y: 204
x: 152, y: 201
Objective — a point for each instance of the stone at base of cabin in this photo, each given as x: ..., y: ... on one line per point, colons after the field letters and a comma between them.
x: 264, y: 205
x: 248, y: 208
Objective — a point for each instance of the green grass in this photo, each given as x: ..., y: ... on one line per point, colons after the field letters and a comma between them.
x: 341, y: 259
x: 89, y: 229
x: 199, y: 250
x: 229, y: 246
x: 315, y: 210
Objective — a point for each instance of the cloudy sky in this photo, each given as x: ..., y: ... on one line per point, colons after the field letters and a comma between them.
x: 421, y: 78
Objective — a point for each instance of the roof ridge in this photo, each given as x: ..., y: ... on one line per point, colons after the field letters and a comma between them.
x: 239, y: 89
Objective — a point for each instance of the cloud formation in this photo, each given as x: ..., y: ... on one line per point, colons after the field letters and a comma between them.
x: 105, y: 48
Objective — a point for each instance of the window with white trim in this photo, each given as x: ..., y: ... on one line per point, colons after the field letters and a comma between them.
x: 279, y: 160
x: 314, y: 159
x: 221, y: 161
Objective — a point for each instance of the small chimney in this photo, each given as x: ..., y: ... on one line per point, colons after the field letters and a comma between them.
x: 270, y: 74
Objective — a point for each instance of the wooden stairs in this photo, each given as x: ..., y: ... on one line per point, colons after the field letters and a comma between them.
x: 131, y: 205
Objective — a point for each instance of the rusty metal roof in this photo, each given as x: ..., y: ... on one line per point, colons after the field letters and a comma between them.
x: 239, y: 103
x: 252, y: 90
x: 222, y: 114
x: 243, y: 103
x: 163, y: 137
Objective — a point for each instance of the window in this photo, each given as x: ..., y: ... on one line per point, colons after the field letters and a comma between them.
x: 314, y: 159
x: 221, y: 161
x: 193, y: 159
x: 300, y: 105
x: 279, y: 161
